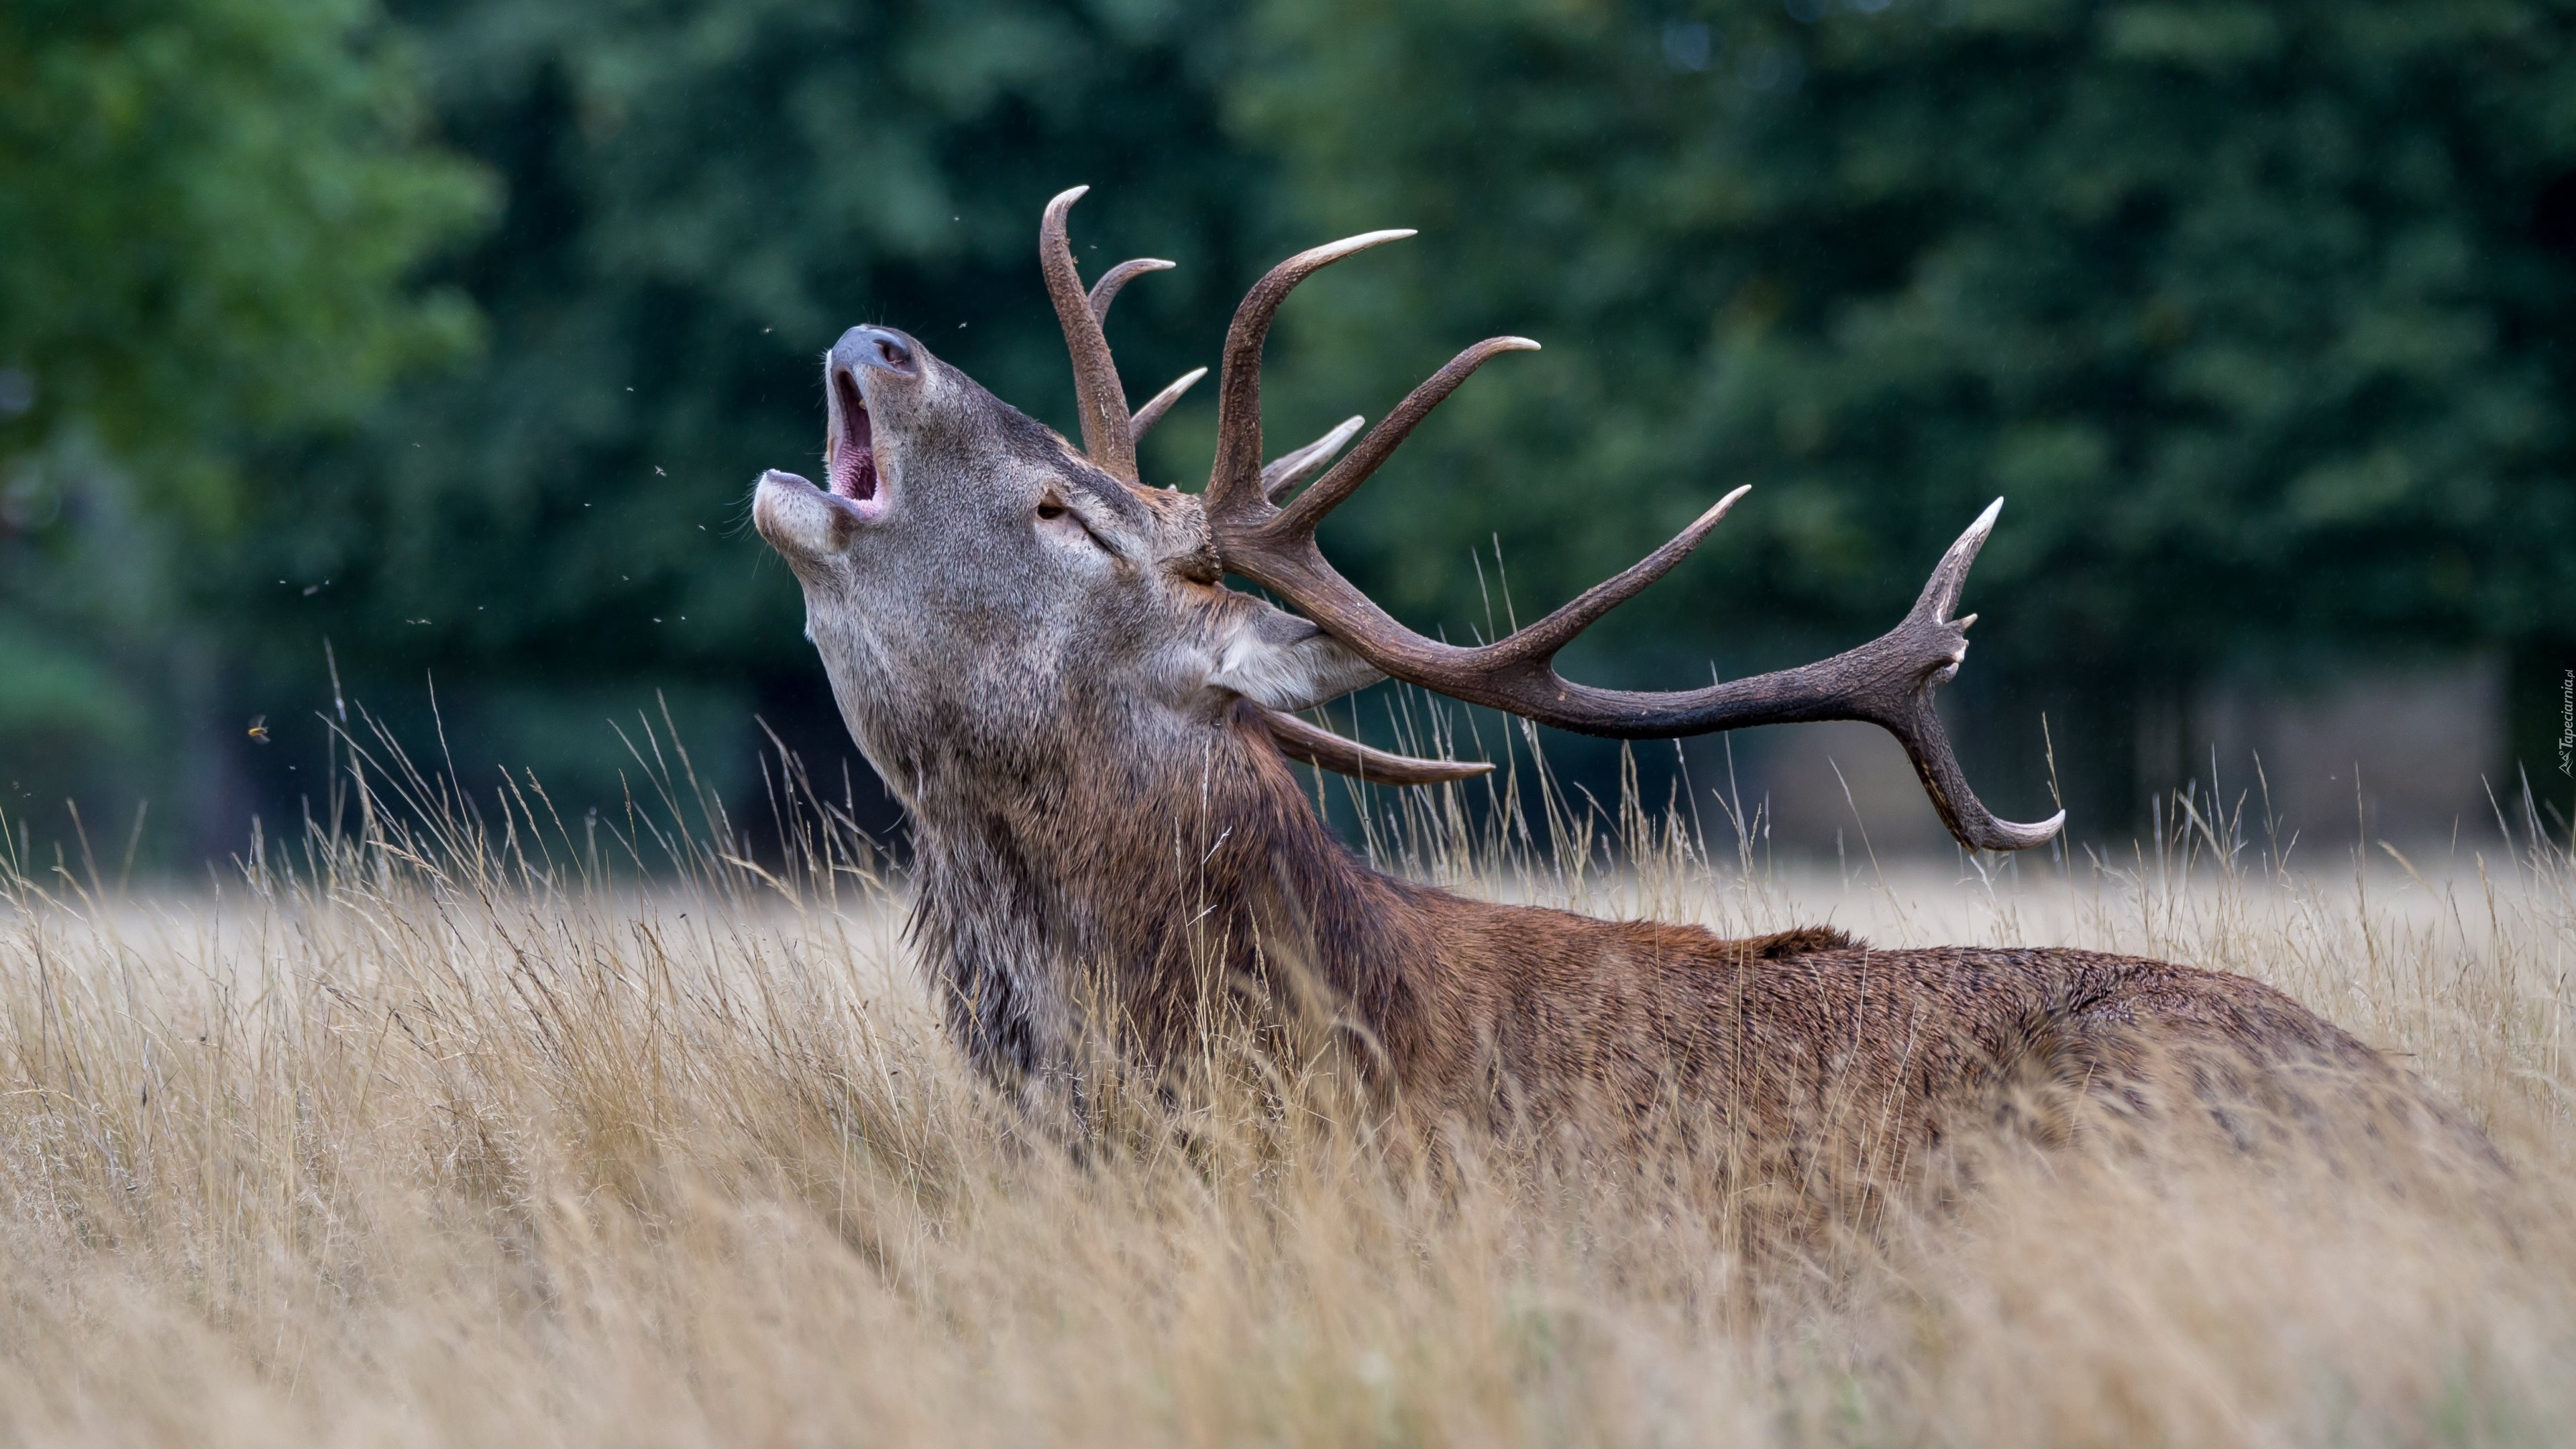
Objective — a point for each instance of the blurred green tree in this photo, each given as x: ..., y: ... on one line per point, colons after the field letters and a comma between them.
x: 2254, y: 311
x: 211, y: 209
x: 700, y: 198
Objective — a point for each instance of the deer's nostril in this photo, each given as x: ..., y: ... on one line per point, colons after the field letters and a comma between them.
x: 881, y: 348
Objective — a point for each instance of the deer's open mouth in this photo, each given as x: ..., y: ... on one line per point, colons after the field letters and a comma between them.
x: 850, y: 456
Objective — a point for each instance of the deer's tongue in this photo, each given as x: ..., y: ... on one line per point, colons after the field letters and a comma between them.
x: 853, y: 459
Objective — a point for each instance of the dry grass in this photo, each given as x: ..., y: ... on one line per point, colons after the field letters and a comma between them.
x: 449, y: 1133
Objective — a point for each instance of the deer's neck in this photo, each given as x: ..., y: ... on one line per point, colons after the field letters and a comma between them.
x: 1144, y: 882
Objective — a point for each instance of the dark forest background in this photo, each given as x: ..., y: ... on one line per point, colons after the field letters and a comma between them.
x: 451, y: 333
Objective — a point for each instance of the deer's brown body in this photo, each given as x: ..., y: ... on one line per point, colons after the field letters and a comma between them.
x: 1165, y: 887
x: 1038, y: 653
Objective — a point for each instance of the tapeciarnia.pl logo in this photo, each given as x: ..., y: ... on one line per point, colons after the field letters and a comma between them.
x: 2567, y: 724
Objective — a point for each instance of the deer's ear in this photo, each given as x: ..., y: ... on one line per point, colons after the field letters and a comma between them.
x: 1274, y: 658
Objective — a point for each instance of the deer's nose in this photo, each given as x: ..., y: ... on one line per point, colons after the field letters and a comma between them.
x: 877, y: 347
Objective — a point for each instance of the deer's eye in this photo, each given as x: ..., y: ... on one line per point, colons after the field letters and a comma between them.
x: 1063, y: 523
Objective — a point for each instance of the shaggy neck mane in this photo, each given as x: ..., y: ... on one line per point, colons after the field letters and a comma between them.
x: 1143, y: 884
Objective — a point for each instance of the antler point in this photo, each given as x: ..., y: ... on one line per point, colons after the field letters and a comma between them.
x: 2042, y: 830
x: 1718, y: 509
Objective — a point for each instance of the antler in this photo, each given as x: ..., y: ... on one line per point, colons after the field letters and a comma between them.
x: 1887, y: 682
x: 1315, y: 745
x: 1161, y: 402
x: 1109, y: 437
x: 1109, y: 434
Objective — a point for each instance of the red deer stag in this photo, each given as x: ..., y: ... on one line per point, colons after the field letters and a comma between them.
x: 1091, y: 734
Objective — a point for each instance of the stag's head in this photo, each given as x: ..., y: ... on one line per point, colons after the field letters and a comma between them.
x: 986, y: 594
x: 978, y: 585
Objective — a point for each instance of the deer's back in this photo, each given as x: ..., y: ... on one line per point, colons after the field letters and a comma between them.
x: 1808, y: 1035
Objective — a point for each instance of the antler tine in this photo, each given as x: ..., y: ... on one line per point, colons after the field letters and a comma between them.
x: 1108, y: 436
x: 1941, y: 591
x: 1105, y: 291
x: 1291, y: 468
x: 1161, y: 402
x: 1968, y: 819
x: 1299, y: 740
x: 1541, y: 641
x: 1391, y: 431
x: 1234, y: 482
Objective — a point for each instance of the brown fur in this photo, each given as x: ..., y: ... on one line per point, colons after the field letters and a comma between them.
x: 1220, y: 874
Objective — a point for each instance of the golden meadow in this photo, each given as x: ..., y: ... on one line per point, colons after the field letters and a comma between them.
x: 449, y: 1120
